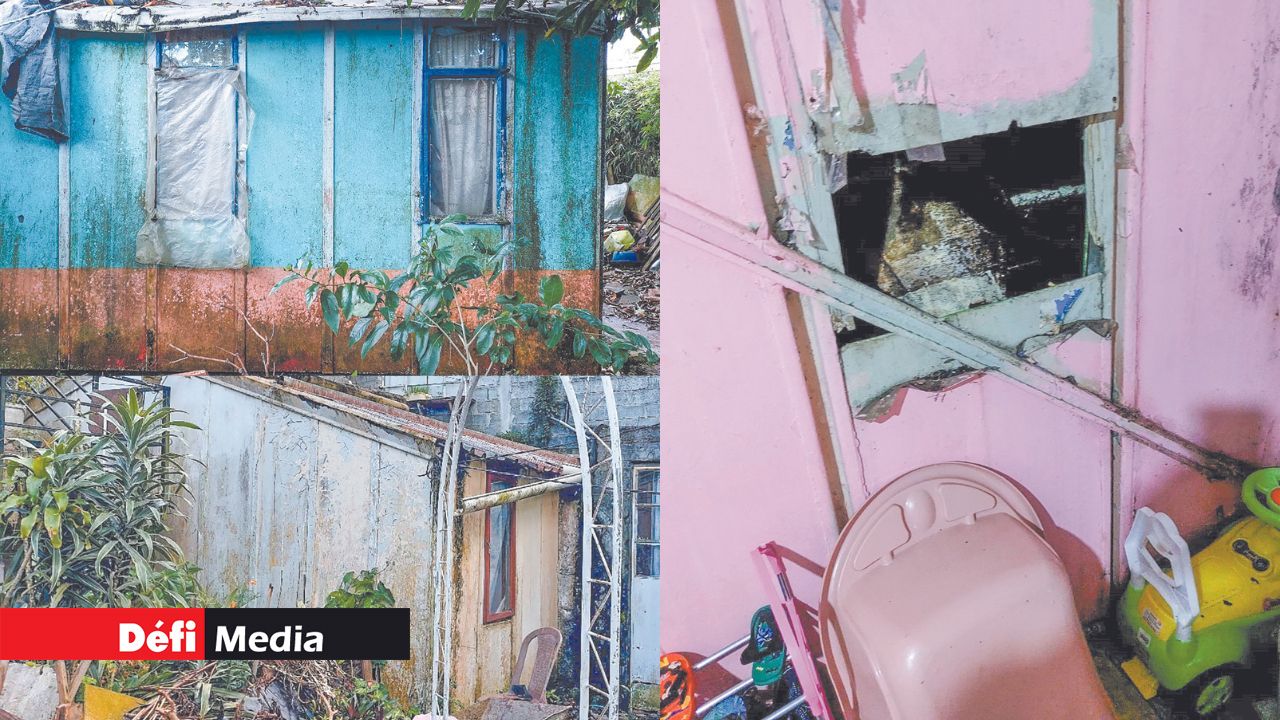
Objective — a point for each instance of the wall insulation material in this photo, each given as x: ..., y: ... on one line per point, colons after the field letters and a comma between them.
x: 194, y: 223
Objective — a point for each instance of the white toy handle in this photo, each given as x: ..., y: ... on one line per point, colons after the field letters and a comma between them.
x: 1156, y: 530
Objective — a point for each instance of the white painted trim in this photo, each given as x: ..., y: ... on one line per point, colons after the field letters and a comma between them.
x: 1100, y: 196
x: 242, y: 127
x: 415, y: 149
x: 64, y: 161
x: 163, y: 18
x: 153, y: 125
x: 326, y: 149
x: 798, y: 165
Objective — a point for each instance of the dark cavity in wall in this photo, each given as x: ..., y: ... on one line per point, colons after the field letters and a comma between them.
x: 1002, y: 215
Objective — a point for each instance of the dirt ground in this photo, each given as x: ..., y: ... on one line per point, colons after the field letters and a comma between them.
x: 631, y: 299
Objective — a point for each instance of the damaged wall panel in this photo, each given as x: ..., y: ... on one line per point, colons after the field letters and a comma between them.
x: 284, y: 168
x: 108, y: 147
x: 971, y: 69
x: 373, y: 203
x: 106, y: 296
x: 558, y: 112
x: 875, y: 366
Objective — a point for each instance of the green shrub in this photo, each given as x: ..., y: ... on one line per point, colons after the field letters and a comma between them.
x: 83, y: 520
x: 632, y: 126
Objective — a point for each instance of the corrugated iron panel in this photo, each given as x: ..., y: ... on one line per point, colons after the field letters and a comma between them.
x: 297, y: 337
x: 105, y: 326
x: 29, y: 319
x: 198, y: 312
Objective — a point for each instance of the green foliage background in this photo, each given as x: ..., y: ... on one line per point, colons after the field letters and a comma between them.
x: 632, y: 126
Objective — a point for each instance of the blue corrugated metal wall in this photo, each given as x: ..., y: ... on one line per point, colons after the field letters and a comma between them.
x: 554, y: 125
x: 285, y: 84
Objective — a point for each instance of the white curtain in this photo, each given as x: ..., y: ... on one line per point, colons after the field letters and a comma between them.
x: 455, y: 48
x: 500, y: 559
x: 461, y: 155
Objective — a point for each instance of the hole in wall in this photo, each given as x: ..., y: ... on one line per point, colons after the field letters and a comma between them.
x: 1002, y: 215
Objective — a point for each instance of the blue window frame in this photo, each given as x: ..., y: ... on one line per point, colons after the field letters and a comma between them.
x: 464, y: 113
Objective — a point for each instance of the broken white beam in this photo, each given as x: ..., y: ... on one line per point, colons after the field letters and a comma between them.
x: 484, y: 501
x: 757, y: 250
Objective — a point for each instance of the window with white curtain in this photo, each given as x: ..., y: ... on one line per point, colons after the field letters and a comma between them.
x: 194, y: 212
x: 499, y: 551
x: 464, y: 100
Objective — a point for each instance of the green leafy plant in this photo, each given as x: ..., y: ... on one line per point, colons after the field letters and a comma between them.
x: 633, y: 126
x: 363, y: 590
x: 372, y: 700
x: 579, y: 17
x: 83, y: 519
x: 420, y: 310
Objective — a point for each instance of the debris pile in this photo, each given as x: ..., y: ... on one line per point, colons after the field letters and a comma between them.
x: 630, y: 234
x: 238, y: 690
x: 632, y: 249
x: 632, y: 293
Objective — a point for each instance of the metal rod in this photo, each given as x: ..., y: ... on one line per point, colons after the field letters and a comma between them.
x: 584, y: 637
x: 711, y: 659
x: 510, y: 495
x: 707, y: 707
x: 785, y: 709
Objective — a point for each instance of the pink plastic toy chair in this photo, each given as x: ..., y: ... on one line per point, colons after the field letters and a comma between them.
x: 943, y: 601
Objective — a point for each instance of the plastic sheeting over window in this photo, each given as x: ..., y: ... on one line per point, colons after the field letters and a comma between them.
x: 194, y: 221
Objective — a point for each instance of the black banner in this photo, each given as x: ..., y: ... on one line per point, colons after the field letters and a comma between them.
x: 306, y: 634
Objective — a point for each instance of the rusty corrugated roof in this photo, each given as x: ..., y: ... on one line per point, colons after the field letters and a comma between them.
x: 393, y: 418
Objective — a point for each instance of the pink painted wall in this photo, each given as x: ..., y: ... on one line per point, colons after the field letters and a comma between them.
x: 1203, y: 331
x: 740, y: 444
x: 1198, y: 306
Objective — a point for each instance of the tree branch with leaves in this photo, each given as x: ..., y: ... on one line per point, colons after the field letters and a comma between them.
x: 421, y: 310
x: 640, y: 18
